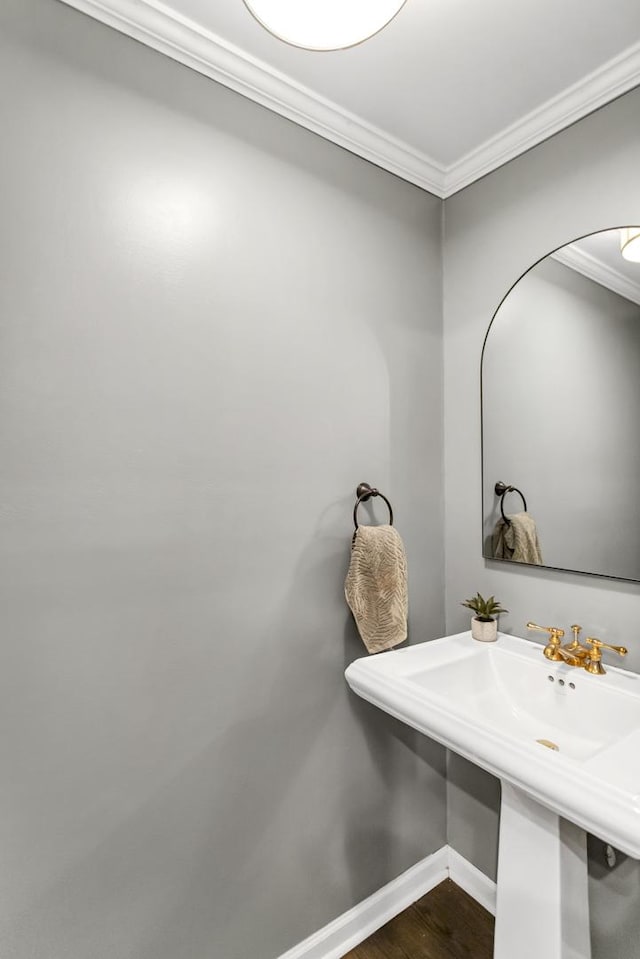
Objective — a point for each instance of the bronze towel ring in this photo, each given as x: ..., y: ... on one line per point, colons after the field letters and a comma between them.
x: 501, y: 490
x: 365, y: 492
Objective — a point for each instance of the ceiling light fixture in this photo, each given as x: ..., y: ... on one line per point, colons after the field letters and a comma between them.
x: 324, y: 24
x: 630, y: 243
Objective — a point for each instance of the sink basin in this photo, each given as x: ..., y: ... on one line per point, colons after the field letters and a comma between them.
x: 565, y: 745
x: 494, y: 702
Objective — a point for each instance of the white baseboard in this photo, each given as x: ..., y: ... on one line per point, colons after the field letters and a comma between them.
x: 356, y: 925
x: 353, y: 927
x: 474, y: 882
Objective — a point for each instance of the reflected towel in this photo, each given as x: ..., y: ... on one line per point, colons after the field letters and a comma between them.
x: 376, y: 587
x: 517, y: 540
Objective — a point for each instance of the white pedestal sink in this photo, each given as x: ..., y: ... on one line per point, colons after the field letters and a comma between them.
x: 494, y: 704
x: 542, y: 907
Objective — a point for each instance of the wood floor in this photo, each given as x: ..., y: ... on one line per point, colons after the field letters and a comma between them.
x: 444, y: 924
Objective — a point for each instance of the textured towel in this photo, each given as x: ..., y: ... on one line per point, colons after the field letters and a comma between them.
x: 376, y: 587
x: 517, y: 540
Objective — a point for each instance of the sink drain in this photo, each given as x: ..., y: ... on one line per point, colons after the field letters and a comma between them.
x: 548, y: 744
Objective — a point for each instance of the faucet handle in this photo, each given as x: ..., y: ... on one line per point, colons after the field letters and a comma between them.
x: 555, y: 633
x: 594, y: 664
x: 598, y: 644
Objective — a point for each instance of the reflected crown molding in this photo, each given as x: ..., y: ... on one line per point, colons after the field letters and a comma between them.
x: 600, y: 272
x: 162, y: 28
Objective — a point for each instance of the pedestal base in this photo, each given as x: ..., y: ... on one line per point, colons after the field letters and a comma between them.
x: 542, y: 908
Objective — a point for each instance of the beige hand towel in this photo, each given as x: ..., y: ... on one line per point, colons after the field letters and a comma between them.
x: 376, y: 587
x: 517, y: 540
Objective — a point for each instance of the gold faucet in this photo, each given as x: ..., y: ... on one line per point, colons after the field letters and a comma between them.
x: 594, y: 664
x: 574, y: 654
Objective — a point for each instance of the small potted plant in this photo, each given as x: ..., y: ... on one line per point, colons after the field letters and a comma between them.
x: 483, y: 625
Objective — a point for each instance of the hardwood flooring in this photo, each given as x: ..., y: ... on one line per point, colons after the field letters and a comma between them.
x: 444, y: 924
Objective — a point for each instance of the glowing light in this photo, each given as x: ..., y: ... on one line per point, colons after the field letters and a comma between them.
x: 324, y: 24
x: 630, y: 243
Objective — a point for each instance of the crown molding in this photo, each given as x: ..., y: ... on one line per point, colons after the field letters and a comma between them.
x: 596, y: 270
x: 158, y: 26
x: 609, y: 81
x: 163, y: 29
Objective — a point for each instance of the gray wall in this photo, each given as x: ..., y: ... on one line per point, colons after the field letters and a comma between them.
x: 584, y: 179
x: 213, y: 326
x: 560, y: 407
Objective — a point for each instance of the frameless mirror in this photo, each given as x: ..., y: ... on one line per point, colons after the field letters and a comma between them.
x: 560, y: 412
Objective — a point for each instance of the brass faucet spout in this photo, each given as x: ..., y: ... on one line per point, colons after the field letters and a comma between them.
x: 570, y: 658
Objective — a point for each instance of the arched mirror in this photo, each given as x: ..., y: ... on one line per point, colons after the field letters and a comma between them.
x: 561, y: 412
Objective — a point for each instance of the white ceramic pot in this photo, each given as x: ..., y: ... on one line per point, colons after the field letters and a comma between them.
x: 484, y: 632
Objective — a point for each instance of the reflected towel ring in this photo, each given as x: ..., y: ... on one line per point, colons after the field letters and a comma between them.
x: 364, y: 492
x: 501, y: 490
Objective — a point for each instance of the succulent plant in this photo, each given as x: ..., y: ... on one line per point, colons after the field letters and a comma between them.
x: 485, y: 609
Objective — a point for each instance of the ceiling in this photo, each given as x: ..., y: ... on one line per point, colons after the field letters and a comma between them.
x: 447, y: 92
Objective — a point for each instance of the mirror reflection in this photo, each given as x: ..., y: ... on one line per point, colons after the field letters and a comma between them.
x: 560, y: 407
